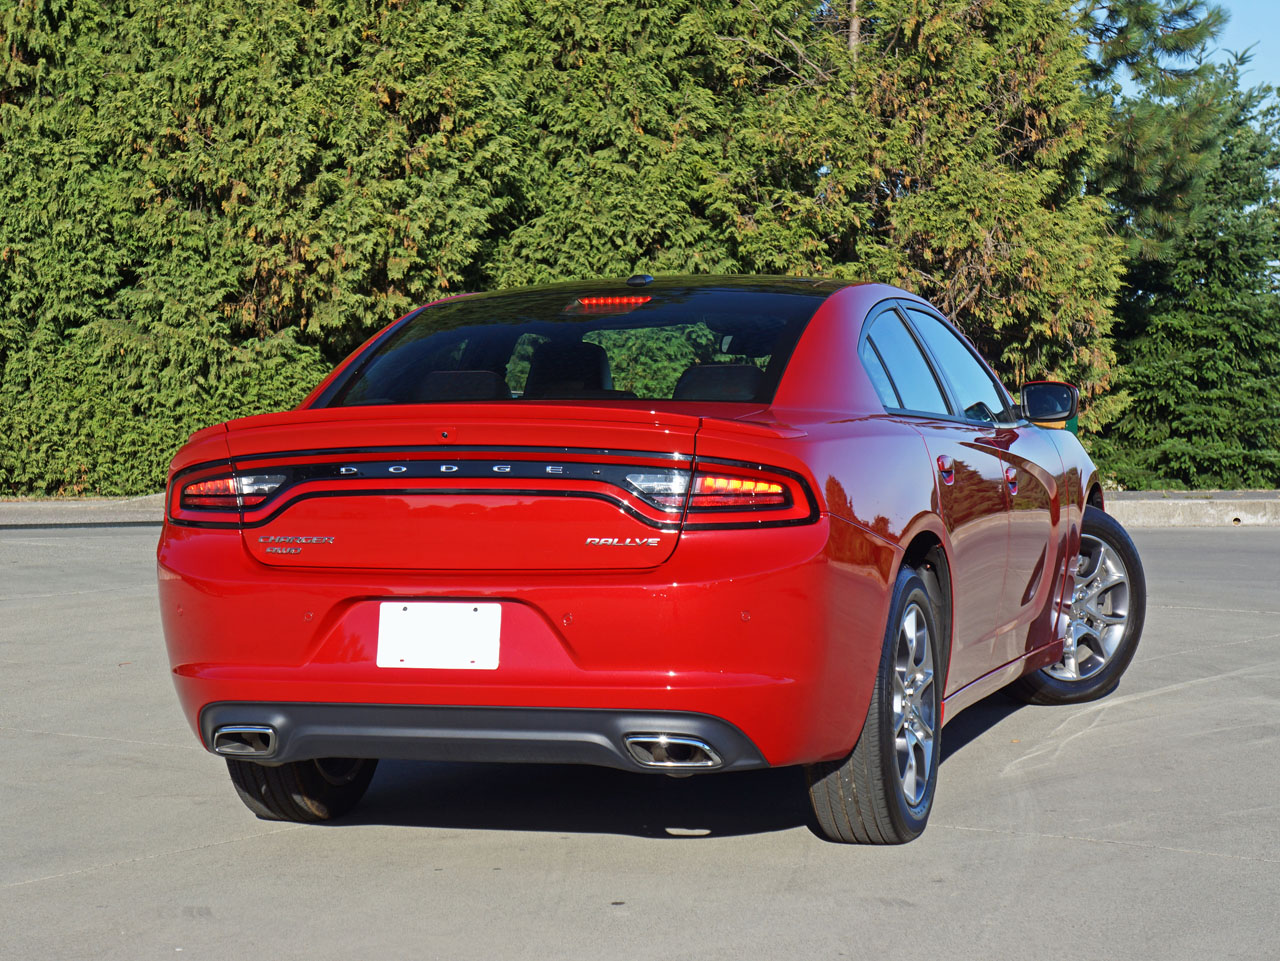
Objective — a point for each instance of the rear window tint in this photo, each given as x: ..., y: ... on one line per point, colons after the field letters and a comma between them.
x: 682, y: 343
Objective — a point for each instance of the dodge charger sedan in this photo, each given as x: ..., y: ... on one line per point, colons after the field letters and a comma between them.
x: 680, y: 525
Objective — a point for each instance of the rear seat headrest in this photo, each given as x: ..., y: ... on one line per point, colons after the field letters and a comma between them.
x: 441, y: 385
x: 560, y: 366
x: 719, y: 382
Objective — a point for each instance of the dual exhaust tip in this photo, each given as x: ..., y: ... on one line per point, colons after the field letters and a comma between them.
x: 672, y: 752
x: 663, y: 752
x: 245, y: 740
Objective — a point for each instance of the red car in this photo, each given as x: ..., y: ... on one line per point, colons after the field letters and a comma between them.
x: 674, y: 525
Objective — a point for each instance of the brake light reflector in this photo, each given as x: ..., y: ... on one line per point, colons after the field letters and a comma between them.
x: 665, y: 490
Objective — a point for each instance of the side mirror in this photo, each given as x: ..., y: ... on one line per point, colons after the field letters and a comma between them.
x: 1049, y: 403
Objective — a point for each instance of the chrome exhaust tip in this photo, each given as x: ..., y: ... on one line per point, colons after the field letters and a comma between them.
x: 672, y: 752
x: 244, y: 740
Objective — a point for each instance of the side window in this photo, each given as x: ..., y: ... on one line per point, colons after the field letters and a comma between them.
x: 879, y: 376
x: 979, y: 397
x: 909, y: 375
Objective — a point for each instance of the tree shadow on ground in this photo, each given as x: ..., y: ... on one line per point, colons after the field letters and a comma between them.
x: 574, y: 799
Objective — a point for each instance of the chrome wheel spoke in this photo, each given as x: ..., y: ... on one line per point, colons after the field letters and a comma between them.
x: 907, y: 766
x: 1098, y: 587
x: 925, y: 682
x: 1099, y: 612
x: 1070, y: 667
x: 1108, y: 619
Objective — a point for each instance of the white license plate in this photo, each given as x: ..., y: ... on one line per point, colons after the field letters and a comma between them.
x: 443, y: 635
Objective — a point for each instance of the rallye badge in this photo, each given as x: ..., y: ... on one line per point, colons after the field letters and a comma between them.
x: 623, y: 541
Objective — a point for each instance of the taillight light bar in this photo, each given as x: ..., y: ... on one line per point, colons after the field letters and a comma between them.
x: 708, y: 493
x: 742, y: 493
x: 737, y: 494
x: 618, y: 304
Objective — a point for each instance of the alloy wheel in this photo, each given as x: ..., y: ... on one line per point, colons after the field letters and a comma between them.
x: 1099, y: 612
x: 915, y: 705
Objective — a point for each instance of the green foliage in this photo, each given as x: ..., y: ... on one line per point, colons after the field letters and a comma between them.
x: 1201, y: 368
x: 206, y: 205
x: 981, y: 135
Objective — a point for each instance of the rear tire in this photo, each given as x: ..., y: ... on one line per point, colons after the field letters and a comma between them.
x: 304, y: 791
x: 1109, y: 606
x: 883, y: 791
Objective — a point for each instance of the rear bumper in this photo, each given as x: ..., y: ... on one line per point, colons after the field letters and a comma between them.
x: 506, y: 734
x: 774, y: 634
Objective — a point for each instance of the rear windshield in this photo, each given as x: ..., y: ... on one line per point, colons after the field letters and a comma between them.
x: 688, y: 343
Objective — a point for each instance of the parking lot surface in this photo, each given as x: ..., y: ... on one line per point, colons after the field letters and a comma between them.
x: 1141, y: 826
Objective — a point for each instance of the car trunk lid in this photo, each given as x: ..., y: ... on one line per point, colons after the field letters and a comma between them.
x: 534, y: 486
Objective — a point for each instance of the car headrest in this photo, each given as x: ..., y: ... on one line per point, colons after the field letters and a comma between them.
x: 558, y: 367
x: 439, y: 385
x: 719, y: 382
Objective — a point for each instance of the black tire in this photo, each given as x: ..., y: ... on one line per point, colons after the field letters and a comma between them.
x: 1103, y: 650
x: 303, y: 791
x: 864, y: 797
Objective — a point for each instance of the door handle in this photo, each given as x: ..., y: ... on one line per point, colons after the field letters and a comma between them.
x: 946, y: 469
x: 1011, y: 478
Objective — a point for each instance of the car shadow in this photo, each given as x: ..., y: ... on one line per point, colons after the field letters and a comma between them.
x: 575, y: 799
x: 976, y: 720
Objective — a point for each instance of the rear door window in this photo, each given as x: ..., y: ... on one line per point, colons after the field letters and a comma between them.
x: 905, y: 365
x: 980, y: 398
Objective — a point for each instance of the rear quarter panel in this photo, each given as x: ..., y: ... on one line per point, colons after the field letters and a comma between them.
x: 871, y: 475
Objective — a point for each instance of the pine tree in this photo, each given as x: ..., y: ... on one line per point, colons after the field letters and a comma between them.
x: 1202, y: 368
x: 1147, y: 59
x: 954, y: 139
x: 205, y: 205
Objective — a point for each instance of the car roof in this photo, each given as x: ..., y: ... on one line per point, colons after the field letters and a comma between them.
x: 805, y: 286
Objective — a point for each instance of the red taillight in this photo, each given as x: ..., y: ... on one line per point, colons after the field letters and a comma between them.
x: 245, y: 490
x: 218, y: 492
x: 719, y: 490
x: 724, y: 495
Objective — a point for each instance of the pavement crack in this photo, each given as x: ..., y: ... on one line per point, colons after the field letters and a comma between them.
x: 1215, y: 610
x: 99, y: 737
x: 152, y: 857
x: 1204, y: 647
x: 1091, y: 840
x: 92, y: 590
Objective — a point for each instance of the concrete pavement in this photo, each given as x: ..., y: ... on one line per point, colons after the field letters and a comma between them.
x: 1145, y: 825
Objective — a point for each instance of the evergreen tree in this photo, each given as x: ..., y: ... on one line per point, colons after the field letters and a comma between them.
x: 1202, y: 368
x: 955, y: 137
x: 1147, y: 59
x: 206, y: 205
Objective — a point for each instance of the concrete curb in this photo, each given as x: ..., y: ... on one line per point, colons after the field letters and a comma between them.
x: 1135, y: 509
x: 1194, y: 508
x: 145, y: 511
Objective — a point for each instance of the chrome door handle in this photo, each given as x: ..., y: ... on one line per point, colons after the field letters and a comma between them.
x: 1011, y: 478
